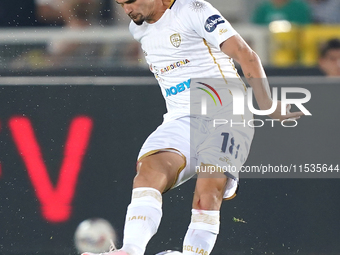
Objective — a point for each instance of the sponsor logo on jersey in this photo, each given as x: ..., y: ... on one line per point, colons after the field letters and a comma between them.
x: 223, y: 30
x: 176, y: 40
x: 212, y: 22
x: 174, y: 66
x: 174, y: 90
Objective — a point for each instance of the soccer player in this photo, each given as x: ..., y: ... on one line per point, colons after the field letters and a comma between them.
x: 183, y: 40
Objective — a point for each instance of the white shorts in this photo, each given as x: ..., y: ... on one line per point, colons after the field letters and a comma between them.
x: 202, y: 144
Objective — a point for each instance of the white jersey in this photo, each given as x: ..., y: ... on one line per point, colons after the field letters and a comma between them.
x: 184, y: 44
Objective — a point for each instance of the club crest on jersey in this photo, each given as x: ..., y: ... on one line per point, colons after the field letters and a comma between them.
x: 176, y: 40
x: 212, y: 22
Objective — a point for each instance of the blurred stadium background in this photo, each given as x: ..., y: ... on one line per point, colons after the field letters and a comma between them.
x: 94, y: 99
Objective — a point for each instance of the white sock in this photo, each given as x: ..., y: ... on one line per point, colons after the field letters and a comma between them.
x: 143, y: 217
x: 202, y: 232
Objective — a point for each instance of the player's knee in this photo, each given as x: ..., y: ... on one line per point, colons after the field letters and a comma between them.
x: 210, y: 200
x: 158, y: 171
x: 148, y: 176
x: 150, y: 179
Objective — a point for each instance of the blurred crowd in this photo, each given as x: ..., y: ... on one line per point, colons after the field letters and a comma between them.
x: 70, y: 15
x: 80, y: 14
x: 18, y: 13
x: 329, y: 58
x: 298, y: 11
x: 25, y: 13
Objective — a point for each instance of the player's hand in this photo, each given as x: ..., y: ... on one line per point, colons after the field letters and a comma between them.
x: 289, y: 115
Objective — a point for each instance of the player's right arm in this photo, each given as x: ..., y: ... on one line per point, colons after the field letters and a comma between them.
x: 236, y: 48
x: 208, y: 22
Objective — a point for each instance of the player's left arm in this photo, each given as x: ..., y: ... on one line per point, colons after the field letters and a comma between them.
x: 236, y: 48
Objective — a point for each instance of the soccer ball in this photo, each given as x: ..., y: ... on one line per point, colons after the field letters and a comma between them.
x: 169, y: 252
x: 94, y: 235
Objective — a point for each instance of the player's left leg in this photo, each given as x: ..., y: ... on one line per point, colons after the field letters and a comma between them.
x: 205, y: 220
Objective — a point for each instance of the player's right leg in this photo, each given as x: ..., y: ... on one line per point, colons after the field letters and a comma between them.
x: 161, y: 160
x: 159, y: 170
x: 156, y: 173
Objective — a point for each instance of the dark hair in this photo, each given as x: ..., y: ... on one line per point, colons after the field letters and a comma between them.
x: 329, y: 45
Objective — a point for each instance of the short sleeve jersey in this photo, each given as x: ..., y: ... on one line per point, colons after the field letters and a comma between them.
x: 184, y: 44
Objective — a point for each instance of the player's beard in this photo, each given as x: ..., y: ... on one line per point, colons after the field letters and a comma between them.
x: 138, y: 19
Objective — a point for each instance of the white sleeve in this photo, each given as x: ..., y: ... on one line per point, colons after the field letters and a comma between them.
x: 206, y: 21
